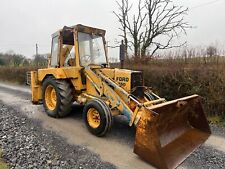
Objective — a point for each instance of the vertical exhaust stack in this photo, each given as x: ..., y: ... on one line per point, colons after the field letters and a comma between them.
x: 167, y: 139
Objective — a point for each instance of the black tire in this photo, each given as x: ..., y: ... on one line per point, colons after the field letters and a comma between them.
x: 105, y: 117
x: 64, y: 97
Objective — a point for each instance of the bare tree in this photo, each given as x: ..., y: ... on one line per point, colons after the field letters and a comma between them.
x: 154, y: 27
x: 124, y: 8
x: 132, y: 27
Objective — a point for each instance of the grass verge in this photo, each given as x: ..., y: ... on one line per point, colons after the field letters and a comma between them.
x: 217, y: 120
x: 3, y: 165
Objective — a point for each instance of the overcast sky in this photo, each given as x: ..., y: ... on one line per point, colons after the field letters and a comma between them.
x: 23, y: 23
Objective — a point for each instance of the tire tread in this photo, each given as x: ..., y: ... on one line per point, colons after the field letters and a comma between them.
x: 65, y: 97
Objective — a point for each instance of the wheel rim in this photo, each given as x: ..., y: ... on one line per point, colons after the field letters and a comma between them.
x: 50, y: 97
x: 93, y: 118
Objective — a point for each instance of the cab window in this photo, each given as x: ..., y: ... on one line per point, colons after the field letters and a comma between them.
x: 54, y: 51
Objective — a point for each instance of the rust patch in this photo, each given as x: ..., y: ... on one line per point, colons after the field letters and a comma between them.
x: 166, y: 140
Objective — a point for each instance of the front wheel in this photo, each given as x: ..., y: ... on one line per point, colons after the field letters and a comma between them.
x: 97, y: 117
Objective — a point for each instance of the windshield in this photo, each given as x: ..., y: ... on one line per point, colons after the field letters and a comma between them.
x: 91, y: 49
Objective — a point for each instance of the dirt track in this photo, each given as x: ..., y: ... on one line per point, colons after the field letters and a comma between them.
x: 116, y: 147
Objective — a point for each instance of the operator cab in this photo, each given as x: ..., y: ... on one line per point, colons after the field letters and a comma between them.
x: 78, y: 46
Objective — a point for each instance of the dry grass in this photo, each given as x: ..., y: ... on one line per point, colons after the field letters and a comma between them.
x: 171, y: 79
x: 14, y: 74
x: 178, y: 79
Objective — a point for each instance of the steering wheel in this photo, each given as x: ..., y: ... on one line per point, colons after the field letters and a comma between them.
x: 104, y: 65
x: 86, y: 58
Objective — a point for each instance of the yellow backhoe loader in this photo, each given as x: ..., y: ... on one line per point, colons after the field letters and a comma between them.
x: 78, y: 70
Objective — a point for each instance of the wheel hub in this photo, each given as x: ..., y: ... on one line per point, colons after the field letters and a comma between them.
x: 93, y: 118
x: 50, y: 97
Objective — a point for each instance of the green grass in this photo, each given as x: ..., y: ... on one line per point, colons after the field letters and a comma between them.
x: 3, y: 165
x: 216, y: 120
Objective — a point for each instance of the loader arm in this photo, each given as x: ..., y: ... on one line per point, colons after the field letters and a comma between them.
x: 102, y: 85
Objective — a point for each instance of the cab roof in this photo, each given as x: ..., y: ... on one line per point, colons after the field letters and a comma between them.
x: 81, y: 28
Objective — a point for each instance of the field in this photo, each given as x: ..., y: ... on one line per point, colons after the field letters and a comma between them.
x: 171, y: 79
x: 14, y: 74
x: 175, y: 78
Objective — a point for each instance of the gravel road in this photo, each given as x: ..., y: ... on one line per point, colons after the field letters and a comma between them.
x: 27, y: 145
x: 30, y: 139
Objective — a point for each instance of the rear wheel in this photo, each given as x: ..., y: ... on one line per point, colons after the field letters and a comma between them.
x: 57, y: 97
x: 97, y: 117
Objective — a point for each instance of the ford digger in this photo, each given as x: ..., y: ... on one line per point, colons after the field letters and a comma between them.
x: 167, y: 132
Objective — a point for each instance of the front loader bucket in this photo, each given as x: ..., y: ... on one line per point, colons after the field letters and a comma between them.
x: 167, y: 139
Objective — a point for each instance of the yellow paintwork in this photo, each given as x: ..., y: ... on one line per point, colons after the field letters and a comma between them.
x: 58, y: 73
x: 95, y: 83
x: 109, y: 72
x: 123, y: 78
x: 72, y: 73
x: 89, y: 82
x: 90, y: 89
x: 50, y: 97
x: 113, y: 86
x: 93, y: 118
x: 35, y: 88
